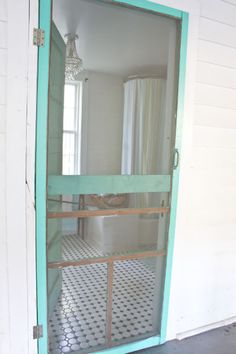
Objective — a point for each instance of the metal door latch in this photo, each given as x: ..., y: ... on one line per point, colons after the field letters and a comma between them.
x: 162, y: 205
x: 176, y: 159
x: 38, y: 37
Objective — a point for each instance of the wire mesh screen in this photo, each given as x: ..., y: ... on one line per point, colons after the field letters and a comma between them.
x: 137, y: 299
x: 77, y: 319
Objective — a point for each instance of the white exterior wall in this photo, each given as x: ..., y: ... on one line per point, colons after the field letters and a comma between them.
x: 204, y: 277
x: 204, y: 272
x: 17, y: 126
x: 4, y: 310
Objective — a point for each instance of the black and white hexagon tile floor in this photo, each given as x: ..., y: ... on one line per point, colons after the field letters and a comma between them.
x: 78, y: 322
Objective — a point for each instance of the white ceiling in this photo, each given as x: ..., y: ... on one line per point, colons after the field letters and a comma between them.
x: 113, y: 39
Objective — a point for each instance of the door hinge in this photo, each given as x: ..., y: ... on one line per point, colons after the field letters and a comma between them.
x: 37, y: 332
x: 38, y: 37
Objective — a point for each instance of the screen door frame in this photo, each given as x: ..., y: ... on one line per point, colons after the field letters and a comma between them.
x: 41, y: 165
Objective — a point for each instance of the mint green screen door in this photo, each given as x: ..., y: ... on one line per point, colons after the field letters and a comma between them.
x: 109, y: 165
x: 55, y: 127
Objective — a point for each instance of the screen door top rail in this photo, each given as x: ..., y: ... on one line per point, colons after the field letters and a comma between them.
x: 76, y: 184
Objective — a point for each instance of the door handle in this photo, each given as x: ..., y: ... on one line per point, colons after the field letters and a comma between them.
x: 176, y: 159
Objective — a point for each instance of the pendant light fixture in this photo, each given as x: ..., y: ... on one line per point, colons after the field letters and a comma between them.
x: 74, y: 64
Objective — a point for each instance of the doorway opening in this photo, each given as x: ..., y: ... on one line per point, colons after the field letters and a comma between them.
x: 111, y: 151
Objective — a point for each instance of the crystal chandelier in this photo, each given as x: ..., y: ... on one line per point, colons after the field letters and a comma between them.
x: 74, y: 64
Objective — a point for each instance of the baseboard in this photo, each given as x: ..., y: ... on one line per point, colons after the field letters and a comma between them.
x: 206, y: 328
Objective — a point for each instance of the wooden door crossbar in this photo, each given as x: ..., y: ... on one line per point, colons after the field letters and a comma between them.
x: 87, y: 261
x: 106, y: 212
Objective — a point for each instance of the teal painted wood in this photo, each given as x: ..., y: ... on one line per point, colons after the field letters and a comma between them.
x: 132, y: 347
x: 149, y: 5
x: 54, y: 156
x: 59, y: 185
x: 41, y: 159
x: 175, y: 178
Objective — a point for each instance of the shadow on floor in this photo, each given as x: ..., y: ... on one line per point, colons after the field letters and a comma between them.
x: 218, y: 341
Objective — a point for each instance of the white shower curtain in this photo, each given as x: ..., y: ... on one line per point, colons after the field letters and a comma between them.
x: 143, y: 124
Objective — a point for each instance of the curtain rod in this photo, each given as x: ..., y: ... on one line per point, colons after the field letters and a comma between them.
x: 134, y: 77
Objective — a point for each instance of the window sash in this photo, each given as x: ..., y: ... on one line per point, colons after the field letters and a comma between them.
x: 76, y: 132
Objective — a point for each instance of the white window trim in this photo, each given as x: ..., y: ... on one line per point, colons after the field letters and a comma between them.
x: 77, y: 124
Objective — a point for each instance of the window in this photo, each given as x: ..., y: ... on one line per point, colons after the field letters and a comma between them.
x: 72, y: 128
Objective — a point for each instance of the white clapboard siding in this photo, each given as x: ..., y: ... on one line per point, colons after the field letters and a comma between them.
x: 2, y: 90
x: 215, y: 96
x: 4, y: 300
x: 219, y: 11
x: 4, y: 308
x: 208, y: 233
x: 2, y: 177
x: 3, y: 34
x: 218, y: 193
x: 30, y: 177
x: 211, y: 182
x: 3, y: 10
x: 214, y: 137
x: 232, y: 2
x: 216, y: 75
x: 217, y: 32
x: 16, y: 335
x: 2, y: 118
x: 3, y: 61
x: 217, y: 54
x: 217, y: 117
x: 218, y: 158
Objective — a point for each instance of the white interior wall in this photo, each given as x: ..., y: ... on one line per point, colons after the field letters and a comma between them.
x: 133, y: 27
x: 203, y: 282
x: 104, y: 126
